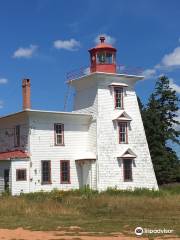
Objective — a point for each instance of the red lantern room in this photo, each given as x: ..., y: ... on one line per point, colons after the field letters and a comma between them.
x: 103, y: 57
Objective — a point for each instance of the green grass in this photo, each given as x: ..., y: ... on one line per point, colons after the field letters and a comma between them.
x: 110, y: 211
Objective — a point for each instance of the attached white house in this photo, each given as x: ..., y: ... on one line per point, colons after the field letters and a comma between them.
x: 100, y: 144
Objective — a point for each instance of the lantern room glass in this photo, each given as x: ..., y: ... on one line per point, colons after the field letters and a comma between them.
x: 105, y: 58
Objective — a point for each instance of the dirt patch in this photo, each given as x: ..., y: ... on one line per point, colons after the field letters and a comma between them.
x: 22, y: 234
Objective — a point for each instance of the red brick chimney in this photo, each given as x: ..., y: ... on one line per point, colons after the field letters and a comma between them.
x: 26, y: 91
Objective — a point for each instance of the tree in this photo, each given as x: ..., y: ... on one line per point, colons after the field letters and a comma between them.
x: 168, y: 106
x: 159, y: 122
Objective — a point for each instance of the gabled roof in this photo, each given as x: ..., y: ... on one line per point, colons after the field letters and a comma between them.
x: 10, y: 155
x: 123, y: 116
x: 128, y: 154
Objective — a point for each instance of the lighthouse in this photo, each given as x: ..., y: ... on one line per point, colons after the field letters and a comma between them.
x: 117, y: 136
x: 100, y: 144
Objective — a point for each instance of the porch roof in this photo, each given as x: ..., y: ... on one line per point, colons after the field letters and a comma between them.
x: 86, y: 156
x: 9, y: 155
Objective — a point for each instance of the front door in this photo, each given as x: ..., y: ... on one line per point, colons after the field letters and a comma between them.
x: 6, y: 179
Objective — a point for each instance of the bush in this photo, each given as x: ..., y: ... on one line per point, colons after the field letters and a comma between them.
x: 59, y: 195
x: 135, y: 192
x: 87, y: 193
x: 172, y: 188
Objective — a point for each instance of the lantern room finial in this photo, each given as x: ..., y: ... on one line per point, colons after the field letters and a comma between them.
x: 102, y: 39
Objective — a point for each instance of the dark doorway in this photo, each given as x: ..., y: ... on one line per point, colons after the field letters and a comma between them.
x: 6, y: 179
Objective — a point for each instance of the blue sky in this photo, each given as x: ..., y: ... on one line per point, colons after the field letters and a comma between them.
x: 44, y: 39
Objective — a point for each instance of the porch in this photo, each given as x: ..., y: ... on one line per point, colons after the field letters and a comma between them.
x: 86, y: 169
x: 9, y: 163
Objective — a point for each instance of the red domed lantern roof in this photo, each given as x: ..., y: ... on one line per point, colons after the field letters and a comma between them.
x: 103, y: 45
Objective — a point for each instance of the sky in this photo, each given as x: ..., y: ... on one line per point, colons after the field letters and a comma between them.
x: 44, y: 39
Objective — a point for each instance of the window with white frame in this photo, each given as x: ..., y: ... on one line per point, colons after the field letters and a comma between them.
x: 59, y: 134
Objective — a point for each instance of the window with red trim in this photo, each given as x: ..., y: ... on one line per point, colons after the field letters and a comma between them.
x: 123, y: 132
x: 59, y: 134
x: 65, y: 171
x: 127, y: 165
x: 118, y: 97
x: 46, y: 171
x: 21, y: 175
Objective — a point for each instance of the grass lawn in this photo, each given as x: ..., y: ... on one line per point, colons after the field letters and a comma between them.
x: 110, y: 211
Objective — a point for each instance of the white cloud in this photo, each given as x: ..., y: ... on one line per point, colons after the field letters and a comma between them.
x: 1, y: 104
x: 172, y: 59
x: 174, y: 86
x: 70, y: 45
x: 109, y: 39
x: 149, y: 73
x: 3, y: 80
x: 168, y: 63
x: 25, y: 52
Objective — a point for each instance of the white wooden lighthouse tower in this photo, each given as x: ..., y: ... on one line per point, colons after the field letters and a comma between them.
x: 116, y: 133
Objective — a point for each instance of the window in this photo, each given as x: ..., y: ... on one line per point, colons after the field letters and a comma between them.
x: 101, y: 58
x: 65, y: 171
x: 105, y: 58
x: 123, y: 133
x: 59, y: 133
x: 46, y: 172
x: 118, y: 97
x: 17, y: 136
x: 109, y: 58
x: 127, y: 164
x: 20, y: 174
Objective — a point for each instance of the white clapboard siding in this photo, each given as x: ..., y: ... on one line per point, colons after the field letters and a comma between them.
x: 90, y: 128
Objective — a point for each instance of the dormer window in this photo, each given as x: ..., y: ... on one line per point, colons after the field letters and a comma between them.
x: 118, y: 97
x: 123, y: 123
